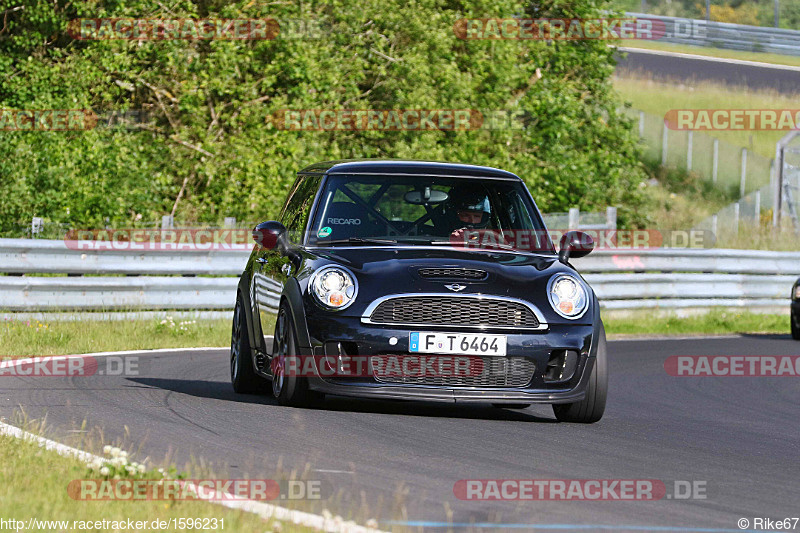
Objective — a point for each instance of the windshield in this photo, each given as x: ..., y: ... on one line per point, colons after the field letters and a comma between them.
x: 427, y: 210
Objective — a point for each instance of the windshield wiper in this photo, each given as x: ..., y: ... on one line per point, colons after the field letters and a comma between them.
x: 502, y: 245
x: 357, y: 240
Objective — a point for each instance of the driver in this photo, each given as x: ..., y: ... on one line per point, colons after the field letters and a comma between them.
x: 471, y: 209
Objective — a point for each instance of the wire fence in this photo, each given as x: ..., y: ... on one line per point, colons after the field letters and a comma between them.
x: 732, y: 168
x: 755, y: 210
x: 577, y: 219
x: 44, y: 228
x: 40, y: 228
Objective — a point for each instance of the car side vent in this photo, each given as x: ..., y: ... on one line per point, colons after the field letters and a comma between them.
x: 453, y: 273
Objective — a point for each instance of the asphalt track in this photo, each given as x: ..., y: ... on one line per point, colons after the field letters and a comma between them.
x: 686, y: 68
x: 394, y: 460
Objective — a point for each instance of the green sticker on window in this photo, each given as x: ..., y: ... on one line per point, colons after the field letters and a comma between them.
x: 324, y: 232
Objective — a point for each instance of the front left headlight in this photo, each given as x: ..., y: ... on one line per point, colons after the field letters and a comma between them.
x: 334, y: 287
x: 568, y: 296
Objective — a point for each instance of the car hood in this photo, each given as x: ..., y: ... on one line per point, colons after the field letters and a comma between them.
x: 383, y: 271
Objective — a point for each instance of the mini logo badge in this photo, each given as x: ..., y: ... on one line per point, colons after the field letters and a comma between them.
x: 456, y: 287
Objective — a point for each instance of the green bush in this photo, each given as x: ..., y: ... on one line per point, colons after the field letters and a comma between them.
x: 209, y: 149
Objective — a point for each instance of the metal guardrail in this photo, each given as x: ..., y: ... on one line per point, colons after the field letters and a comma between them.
x: 716, y: 261
x: 699, y: 32
x: 623, y: 279
x: 26, y: 256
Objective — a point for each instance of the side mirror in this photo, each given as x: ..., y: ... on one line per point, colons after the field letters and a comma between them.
x: 575, y: 244
x: 268, y: 234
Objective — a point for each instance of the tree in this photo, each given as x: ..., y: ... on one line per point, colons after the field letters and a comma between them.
x: 209, y: 148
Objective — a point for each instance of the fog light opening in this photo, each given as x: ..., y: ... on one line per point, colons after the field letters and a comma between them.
x: 561, y: 366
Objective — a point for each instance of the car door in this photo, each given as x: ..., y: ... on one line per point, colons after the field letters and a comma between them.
x: 271, y: 268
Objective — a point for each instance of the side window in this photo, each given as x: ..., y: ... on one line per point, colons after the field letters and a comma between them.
x: 298, y: 204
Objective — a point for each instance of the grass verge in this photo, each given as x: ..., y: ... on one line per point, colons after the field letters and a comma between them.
x: 715, y: 322
x: 61, y: 338
x: 678, y: 199
x: 658, y: 97
x: 31, y: 337
x: 34, y: 486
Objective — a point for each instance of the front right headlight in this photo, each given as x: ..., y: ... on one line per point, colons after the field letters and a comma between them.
x: 567, y: 295
x: 797, y: 292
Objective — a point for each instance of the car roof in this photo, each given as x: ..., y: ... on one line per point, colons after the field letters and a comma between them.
x: 406, y: 167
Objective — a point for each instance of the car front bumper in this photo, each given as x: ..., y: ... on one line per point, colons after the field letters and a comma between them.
x: 538, y: 346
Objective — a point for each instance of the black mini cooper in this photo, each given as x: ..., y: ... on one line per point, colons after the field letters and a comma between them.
x: 417, y: 280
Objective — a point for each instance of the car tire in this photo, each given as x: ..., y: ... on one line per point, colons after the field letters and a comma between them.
x: 795, y: 328
x: 511, y: 405
x: 591, y: 408
x: 243, y: 375
x: 288, y: 390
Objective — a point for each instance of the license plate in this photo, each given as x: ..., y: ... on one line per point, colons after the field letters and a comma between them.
x: 457, y: 343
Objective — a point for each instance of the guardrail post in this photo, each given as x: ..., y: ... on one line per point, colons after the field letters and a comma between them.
x: 736, y: 218
x: 611, y: 217
x: 230, y: 222
x: 743, y: 179
x: 689, y: 142
x: 641, y: 123
x: 715, y: 161
x: 758, y: 207
x: 37, y: 225
x: 714, y: 225
x: 771, y: 174
x: 664, y: 145
x: 574, y: 218
x: 167, y: 222
x: 778, y: 185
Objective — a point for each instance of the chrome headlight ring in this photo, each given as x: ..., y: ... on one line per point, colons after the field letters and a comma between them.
x: 333, y: 287
x: 568, y: 296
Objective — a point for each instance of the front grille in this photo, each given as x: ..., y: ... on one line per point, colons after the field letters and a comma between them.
x: 453, y: 273
x: 454, y: 311
x: 504, y: 372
